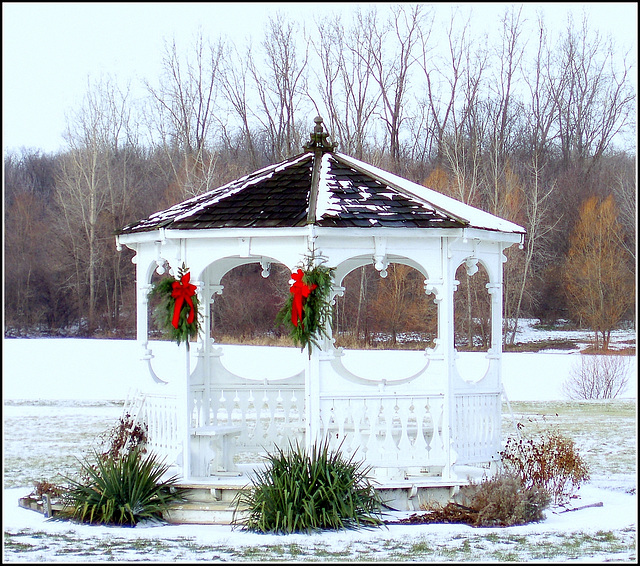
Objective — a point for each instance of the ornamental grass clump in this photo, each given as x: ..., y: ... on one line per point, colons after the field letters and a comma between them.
x: 121, y: 490
x: 303, y: 493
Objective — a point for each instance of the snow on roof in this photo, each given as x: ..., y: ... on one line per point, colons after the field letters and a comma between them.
x: 349, y: 193
x: 474, y: 217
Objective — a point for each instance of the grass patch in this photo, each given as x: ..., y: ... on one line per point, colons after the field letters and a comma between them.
x: 604, y: 431
x: 489, y: 546
x: 559, y: 344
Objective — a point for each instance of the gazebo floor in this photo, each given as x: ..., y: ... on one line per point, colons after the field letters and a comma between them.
x: 212, y: 500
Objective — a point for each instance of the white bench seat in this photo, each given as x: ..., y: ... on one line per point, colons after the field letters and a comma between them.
x: 217, y: 443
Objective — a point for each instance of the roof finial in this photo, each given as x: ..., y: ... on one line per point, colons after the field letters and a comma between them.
x: 319, y: 139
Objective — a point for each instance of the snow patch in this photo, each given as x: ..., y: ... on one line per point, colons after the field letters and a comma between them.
x: 326, y: 204
x: 475, y: 217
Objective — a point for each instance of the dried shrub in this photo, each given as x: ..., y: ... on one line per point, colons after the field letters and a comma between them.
x: 501, y: 501
x: 549, y: 460
x: 128, y: 434
x: 45, y: 487
x: 504, y: 501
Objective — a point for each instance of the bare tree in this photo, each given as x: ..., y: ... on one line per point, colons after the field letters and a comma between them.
x: 393, y: 48
x: 400, y: 304
x: 599, y: 284
x: 27, y: 238
x: 345, y: 81
x: 280, y: 83
x: 184, y: 109
x: 537, y: 189
x: 625, y: 194
x: 462, y: 141
x: 93, y: 187
x: 446, y: 78
x: 594, y: 99
x: 597, y: 377
x: 235, y: 89
x: 504, y: 110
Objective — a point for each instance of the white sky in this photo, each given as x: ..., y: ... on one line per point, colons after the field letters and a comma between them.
x: 50, y: 50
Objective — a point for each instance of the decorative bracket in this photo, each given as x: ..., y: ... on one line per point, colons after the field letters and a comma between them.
x: 493, y: 288
x: 471, y: 265
x: 215, y: 290
x: 434, y: 289
x: 160, y: 261
x: 147, y: 356
x: 336, y: 291
x: 380, y: 261
x: 144, y: 293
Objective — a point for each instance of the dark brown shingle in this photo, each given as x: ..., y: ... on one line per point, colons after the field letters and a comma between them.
x: 278, y: 196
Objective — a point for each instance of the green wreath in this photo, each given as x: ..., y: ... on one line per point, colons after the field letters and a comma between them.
x: 177, y: 313
x: 307, y: 313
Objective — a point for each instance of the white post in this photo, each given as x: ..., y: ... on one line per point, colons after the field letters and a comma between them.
x: 446, y: 315
x: 185, y: 403
x: 312, y: 398
x: 495, y: 355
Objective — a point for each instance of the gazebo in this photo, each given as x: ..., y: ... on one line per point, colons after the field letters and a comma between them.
x: 423, y: 427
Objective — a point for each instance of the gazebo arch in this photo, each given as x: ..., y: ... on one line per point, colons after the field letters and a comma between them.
x: 351, y: 214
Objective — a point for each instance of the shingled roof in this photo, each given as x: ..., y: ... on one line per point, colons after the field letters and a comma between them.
x: 323, y: 187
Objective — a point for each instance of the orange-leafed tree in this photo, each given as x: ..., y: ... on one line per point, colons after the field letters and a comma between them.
x: 599, y: 283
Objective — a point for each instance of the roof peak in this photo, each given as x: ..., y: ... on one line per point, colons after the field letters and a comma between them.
x: 319, y: 139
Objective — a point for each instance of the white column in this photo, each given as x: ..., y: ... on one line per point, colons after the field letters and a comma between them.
x: 495, y: 352
x: 446, y: 327
x: 312, y: 398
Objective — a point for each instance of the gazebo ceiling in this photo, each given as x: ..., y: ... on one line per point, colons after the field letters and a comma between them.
x: 325, y: 188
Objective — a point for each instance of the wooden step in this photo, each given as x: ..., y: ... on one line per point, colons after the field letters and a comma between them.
x: 42, y: 505
x: 207, y: 492
x: 196, y: 513
x: 208, y: 502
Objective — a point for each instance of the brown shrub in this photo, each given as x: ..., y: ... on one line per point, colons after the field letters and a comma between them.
x: 504, y: 501
x: 549, y: 460
x: 501, y: 501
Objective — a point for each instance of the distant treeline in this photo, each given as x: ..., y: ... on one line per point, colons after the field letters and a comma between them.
x: 532, y: 129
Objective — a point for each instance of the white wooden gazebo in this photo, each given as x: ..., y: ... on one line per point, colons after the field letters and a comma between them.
x: 353, y: 214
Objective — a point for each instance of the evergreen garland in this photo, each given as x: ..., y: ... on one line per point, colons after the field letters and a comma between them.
x: 164, y: 312
x: 317, y: 313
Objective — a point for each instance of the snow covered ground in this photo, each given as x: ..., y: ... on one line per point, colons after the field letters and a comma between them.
x: 48, y: 388
x: 60, y: 368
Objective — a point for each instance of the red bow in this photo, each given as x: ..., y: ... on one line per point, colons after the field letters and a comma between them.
x: 183, y: 291
x: 300, y: 291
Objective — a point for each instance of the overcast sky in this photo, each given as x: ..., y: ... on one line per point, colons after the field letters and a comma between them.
x: 50, y: 50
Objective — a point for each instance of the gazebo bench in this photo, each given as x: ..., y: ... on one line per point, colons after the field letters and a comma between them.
x: 220, y: 448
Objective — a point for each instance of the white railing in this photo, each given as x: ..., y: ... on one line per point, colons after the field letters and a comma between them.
x: 160, y: 413
x: 401, y: 427
x: 386, y: 430
x: 269, y: 414
x: 476, y: 427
